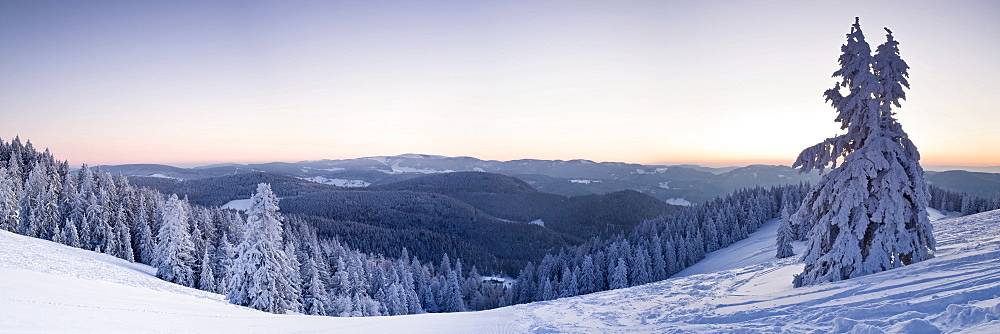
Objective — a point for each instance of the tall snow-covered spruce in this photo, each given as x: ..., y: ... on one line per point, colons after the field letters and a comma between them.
x: 262, y: 272
x: 785, y: 236
x: 869, y: 214
x: 10, y: 210
x: 175, y: 258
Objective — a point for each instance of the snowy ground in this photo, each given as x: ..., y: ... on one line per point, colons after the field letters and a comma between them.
x: 45, y: 287
x: 238, y: 204
x: 757, y: 248
x: 49, y: 288
x: 338, y: 182
x: 678, y: 201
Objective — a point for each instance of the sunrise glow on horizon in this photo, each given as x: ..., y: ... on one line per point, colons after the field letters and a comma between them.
x: 719, y: 83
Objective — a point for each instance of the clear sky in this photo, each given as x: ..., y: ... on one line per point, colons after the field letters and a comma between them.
x: 711, y: 82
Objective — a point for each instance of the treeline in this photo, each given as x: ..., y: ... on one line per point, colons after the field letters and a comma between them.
x: 961, y: 202
x: 655, y: 250
x: 584, y: 216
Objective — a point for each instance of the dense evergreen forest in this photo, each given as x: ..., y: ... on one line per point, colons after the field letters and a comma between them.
x: 506, y: 197
x: 428, y: 224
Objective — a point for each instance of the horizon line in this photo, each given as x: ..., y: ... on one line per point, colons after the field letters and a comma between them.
x: 710, y: 164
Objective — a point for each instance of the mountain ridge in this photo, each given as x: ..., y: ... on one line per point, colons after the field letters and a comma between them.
x: 692, y: 183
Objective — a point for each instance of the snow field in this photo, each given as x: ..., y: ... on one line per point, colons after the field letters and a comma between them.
x: 679, y: 201
x: 338, y: 182
x: 46, y: 287
x: 238, y: 204
x: 49, y: 288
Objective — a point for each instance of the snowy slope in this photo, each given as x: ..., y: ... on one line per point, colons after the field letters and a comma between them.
x: 46, y: 287
x: 958, y: 291
x: 757, y: 248
x: 49, y: 288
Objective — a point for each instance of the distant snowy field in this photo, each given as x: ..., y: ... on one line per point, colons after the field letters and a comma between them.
x: 238, y: 204
x: 338, y: 182
x: 46, y: 287
x: 678, y: 201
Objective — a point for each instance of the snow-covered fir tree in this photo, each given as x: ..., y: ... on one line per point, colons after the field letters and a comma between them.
x: 294, y: 274
x: 869, y: 214
x: 10, y: 210
x: 68, y: 197
x: 142, y: 233
x: 261, y: 273
x: 174, y: 254
x: 224, y: 255
x: 315, y: 299
x: 39, y: 206
x: 785, y: 235
x: 568, y: 285
x: 206, y: 279
x: 640, y: 270
x: 618, y: 275
x: 451, y: 287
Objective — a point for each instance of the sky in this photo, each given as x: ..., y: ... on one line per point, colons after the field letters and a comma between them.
x: 708, y: 82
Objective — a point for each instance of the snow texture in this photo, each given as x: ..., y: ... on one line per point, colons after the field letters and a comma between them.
x: 654, y: 171
x: 678, y: 201
x: 238, y: 204
x: 47, y: 287
x: 397, y: 169
x: 339, y: 182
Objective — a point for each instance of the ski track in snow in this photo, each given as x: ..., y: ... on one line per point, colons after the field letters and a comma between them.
x: 46, y: 287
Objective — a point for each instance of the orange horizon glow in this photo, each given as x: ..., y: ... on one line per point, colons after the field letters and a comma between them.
x: 97, y: 157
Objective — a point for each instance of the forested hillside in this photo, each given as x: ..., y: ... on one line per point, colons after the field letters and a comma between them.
x: 456, y: 212
x: 974, y: 183
x: 512, y: 243
x: 585, y: 216
x: 216, y: 191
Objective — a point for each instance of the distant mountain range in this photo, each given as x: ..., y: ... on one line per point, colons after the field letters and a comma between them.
x: 681, y: 184
x: 678, y: 184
